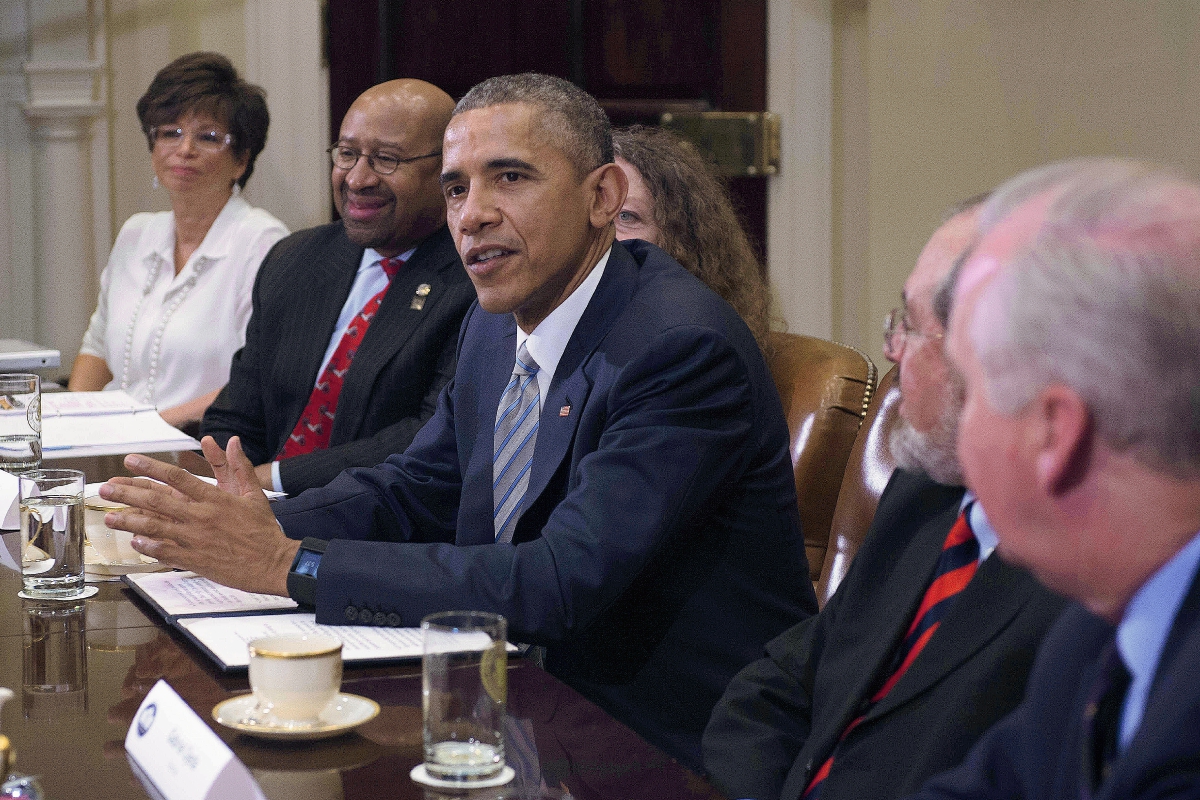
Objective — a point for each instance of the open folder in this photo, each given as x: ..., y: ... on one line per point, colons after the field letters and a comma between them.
x: 222, y: 621
x: 78, y: 424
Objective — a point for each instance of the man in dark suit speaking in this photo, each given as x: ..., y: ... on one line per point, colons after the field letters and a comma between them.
x: 1076, y: 327
x: 608, y: 469
x: 354, y: 324
x: 928, y: 640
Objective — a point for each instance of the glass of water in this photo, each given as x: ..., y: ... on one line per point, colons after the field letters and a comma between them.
x: 464, y: 669
x: 20, y: 421
x: 52, y: 528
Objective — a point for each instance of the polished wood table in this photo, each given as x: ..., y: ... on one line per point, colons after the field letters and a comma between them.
x: 81, y: 669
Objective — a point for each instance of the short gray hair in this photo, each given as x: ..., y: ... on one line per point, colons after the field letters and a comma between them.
x: 571, y: 118
x: 1105, y: 298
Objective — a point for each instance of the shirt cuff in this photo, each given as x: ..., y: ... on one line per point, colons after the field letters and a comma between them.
x: 275, y: 482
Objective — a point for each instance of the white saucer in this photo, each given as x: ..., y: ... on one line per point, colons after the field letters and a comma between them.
x: 88, y: 591
x: 346, y: 713
x: 421, y: 775
x: 114, y: 571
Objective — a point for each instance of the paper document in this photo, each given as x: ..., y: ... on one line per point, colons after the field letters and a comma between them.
x: 78, y: 424
x: 59, y: 404
x: 226, y: 637
x: 176, y: 593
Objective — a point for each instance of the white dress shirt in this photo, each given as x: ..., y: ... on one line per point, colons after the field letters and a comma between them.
x: 170, y: 338
x: 368, y: 282
x: 549, y: 339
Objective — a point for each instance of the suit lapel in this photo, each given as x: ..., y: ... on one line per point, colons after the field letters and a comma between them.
x: 393, y: 327
x: 916, y: 564
x: 330, y: 274
x: 1170, y: 706
x: 489, y: 369
x: 877, y: 609
x: 569, y: 390
x: 994, y: 597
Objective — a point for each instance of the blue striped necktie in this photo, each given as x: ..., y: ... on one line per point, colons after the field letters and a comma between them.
x: 516, y: 434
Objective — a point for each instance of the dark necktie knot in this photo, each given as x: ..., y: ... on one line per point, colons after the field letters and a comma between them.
x: 391, y: 266
x: 1103, y: 715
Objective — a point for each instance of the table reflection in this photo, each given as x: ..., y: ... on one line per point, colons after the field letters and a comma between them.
x: 85, y: 666
x: 54, y: 675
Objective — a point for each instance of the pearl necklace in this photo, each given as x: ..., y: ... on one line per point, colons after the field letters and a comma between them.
x: 156, y: 338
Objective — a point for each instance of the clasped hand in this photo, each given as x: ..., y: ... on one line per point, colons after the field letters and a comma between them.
x: 225, y: 532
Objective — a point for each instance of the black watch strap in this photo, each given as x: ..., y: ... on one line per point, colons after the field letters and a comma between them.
x: 302, y: 577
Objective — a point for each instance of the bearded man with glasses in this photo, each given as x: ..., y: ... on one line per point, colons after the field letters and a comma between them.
x: 929, y: 638
x: 354, y: 323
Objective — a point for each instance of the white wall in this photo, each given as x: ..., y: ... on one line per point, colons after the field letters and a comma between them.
x: 74, y: 163
x: 893, y: 110
x: 274, y: 43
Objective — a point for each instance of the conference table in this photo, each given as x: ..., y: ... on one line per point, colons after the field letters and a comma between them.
x: 106, y: 652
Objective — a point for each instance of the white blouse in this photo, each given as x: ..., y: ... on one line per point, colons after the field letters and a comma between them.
x: 170, y: 338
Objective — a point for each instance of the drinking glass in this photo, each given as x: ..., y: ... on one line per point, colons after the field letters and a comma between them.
x: 52, y: 526
x: 20, y: 421
x: 464, y: 669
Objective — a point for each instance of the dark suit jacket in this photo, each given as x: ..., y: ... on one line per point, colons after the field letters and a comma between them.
x: 392, y: 387
x: 659, y: 548
x: 781, y: 717
x: 1037, y: 751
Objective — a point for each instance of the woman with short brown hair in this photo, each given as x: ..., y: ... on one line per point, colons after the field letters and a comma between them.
x: 175, y: 295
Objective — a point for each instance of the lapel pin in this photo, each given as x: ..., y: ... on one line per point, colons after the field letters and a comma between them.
x: 419, y: 296
x: 418, y: 301
x: 564, y: 411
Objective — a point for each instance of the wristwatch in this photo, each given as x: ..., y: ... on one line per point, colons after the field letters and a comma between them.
x: 302, y: 577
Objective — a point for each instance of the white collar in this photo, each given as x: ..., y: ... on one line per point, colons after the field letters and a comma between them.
x: 217, y: 242
x: 981, y: 526
x: 549, y: 339
x: 371, y: 258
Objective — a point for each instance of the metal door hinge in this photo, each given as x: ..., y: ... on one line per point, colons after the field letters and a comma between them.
x: 740, y: 143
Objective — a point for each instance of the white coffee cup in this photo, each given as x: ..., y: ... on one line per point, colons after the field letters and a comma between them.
x: 112, y: 546
x: 294, y: 677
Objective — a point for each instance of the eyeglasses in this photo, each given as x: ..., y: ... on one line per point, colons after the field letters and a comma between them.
x: 897, y: 328
x: 210, y: 140
x: 346, y: 157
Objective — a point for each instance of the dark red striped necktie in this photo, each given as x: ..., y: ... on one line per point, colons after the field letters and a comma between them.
x: 315, y: 426
x: 955, y: 567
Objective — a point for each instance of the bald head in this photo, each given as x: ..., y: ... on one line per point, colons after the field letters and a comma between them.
x: 420, y: 108
x: 398, y: 123
x: 931, y: 394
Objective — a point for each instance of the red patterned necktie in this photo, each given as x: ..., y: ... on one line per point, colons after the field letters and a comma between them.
x: 955, y: 567
x: 315, y: 426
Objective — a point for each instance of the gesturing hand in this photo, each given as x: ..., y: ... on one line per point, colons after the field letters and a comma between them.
x: 226, y: 533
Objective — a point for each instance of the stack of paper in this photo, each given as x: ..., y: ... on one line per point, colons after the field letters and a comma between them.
x: 105, y: 423
x: 221, y: 621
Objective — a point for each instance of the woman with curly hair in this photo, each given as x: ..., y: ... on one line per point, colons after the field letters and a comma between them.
x: 676, y: 202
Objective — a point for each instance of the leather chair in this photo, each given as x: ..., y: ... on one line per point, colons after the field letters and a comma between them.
x: 868, y: 470
x: 825, y: 389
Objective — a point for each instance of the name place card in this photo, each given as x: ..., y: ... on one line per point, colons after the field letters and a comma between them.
x: 180, y: 756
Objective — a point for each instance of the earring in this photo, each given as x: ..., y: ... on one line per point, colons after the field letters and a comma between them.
x: 237, y: 189
x: 154, y: 181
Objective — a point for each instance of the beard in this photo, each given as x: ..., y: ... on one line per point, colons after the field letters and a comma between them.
x: 932, y: 452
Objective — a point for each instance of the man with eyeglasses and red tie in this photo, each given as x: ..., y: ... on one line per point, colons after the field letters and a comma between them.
x: 354, y: 323
x: 928, y: 640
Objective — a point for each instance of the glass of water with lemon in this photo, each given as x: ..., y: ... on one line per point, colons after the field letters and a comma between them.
x: 464, y: 691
